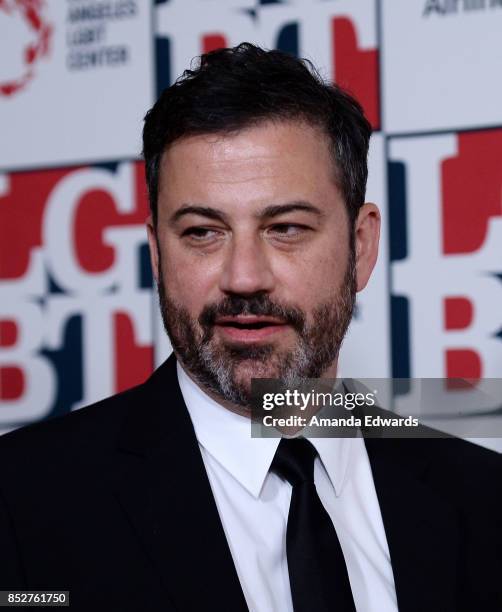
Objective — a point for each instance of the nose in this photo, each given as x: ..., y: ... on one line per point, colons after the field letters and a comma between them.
x: 247, y: 268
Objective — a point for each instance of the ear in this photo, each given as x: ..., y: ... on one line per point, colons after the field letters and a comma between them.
x: 367, y: 236
x: 154, y: 251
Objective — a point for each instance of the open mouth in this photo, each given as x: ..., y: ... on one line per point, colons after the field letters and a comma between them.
x: 249, y: 328
x: 239, y: 325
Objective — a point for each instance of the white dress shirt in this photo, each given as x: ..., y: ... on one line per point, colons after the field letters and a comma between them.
x: 253, y: 505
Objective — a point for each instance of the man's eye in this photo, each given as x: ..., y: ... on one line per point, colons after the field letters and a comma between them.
x: 200, y: 233
x: 288, y: 229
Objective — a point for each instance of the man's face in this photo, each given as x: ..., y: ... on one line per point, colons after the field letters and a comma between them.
x: 253, y: 257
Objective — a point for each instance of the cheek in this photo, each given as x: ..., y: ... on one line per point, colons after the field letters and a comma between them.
x: 189, y: 283
x: 315, y: 276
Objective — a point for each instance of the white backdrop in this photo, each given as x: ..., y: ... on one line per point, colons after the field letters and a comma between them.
x: 78, y: 319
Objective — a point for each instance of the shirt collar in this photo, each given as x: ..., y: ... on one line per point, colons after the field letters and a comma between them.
x: 335, y: 456
x: 226, y: 436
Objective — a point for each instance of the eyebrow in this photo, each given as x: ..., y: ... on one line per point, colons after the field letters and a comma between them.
x: 267, y: 213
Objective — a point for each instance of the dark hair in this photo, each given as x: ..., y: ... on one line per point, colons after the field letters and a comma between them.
x: 234, y: 88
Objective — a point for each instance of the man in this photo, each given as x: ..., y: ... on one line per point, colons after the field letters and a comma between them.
x: 158, y: 498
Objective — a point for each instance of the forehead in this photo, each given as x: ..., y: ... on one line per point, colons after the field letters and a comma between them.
x: 263, y: 162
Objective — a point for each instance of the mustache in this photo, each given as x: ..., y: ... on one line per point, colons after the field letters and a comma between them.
x: 258, y: 304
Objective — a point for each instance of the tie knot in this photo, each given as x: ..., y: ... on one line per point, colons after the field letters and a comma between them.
x: 294, y: 460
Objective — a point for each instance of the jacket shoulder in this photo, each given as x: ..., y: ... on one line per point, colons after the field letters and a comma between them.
x: 459, y: 471
x: 60, y: 440
x: 461, y: 456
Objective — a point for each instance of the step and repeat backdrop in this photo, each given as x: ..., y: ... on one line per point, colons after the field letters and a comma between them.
x: 78, y: 313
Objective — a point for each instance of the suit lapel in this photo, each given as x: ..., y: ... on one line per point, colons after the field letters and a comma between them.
x: 421, y: 529
x: 161, y: 483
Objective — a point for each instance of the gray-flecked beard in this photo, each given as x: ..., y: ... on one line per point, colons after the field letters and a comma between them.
x: 215, y: 365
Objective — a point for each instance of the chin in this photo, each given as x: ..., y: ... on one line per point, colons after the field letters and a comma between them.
x: 246, y: 370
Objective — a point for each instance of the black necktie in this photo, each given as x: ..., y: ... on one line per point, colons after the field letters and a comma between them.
x: 317, y: 570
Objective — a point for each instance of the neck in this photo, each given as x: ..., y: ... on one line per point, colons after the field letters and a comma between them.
x: 245, y: 411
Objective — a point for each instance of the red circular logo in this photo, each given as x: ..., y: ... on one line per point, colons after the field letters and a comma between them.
x: 31, y: 12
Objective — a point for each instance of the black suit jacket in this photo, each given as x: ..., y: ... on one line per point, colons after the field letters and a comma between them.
x: 112, y: 503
